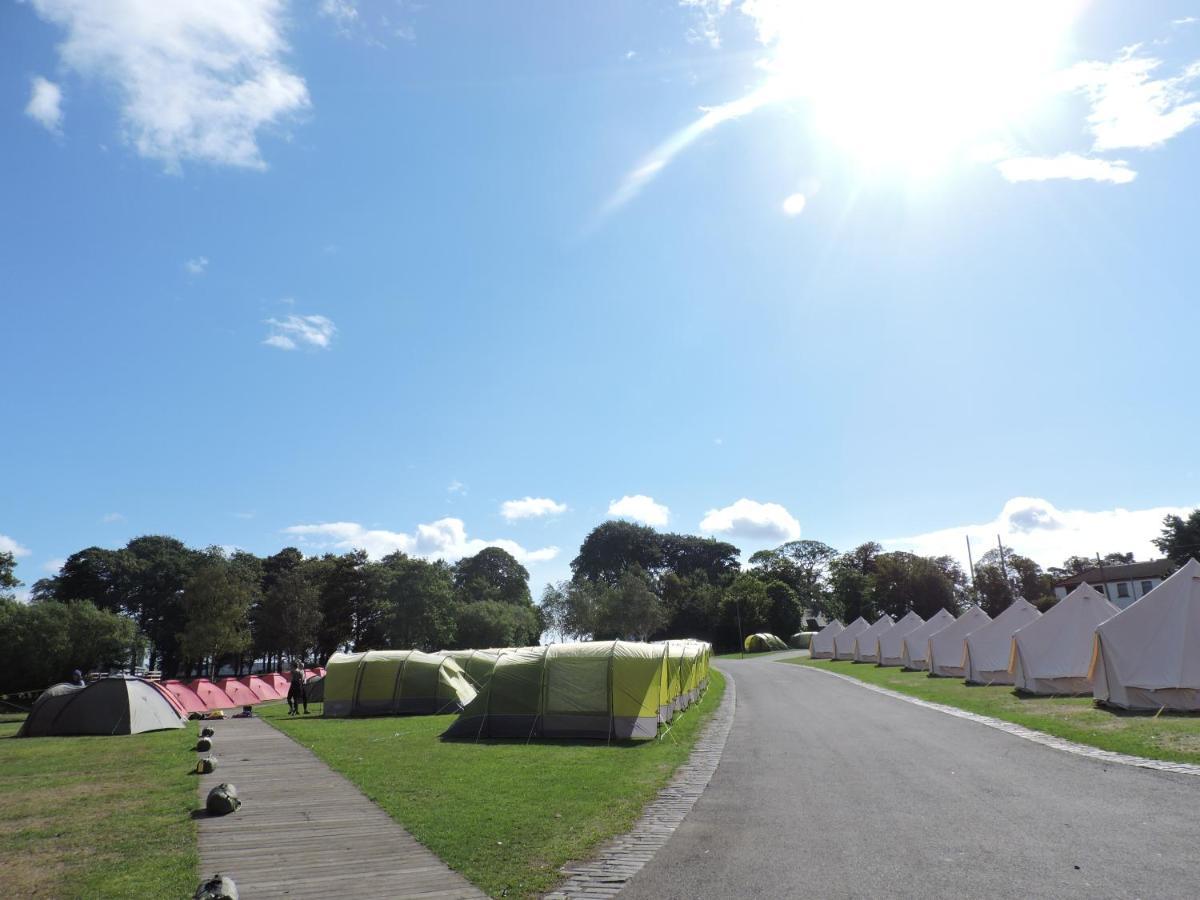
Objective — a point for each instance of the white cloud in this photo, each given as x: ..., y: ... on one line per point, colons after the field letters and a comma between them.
x: 343, y: 12
x: 45, y: 104
x: 1036, y: 528
x: 243, y: 515
x: 52, y: 566
x: 196, y: 81
x: 530, y: 508
x: 444, y: 539
x: 1066, y: 165
x: 112, y: 518
x: 794, y: 204
x: 640, y: 508
x: 8, y: 545
x: 751, y: 519
x: 1130, y: 108
x: 709, y: 14
x: 196, y: 266
x: 456, y: 487
x: 290, y: 332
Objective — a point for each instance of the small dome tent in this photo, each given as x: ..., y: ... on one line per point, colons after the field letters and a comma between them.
x: 597, y: 689
x: 213, y: 696
x: 277, y: 680
x: 394, y: 683
x: 238, y: 692
x: 989, y: 648
x: 117, y: 705
x: 843, y: 641
x: 948, y: 647
x: 763, y: 641
x: 822, y: 642
x: 1147, y: 656
x: 866, y: 642
x: 1052, y: 655
x: 261, y: 688
x: 915, y: 645
x: 185, y: 696
x: 890, y: 644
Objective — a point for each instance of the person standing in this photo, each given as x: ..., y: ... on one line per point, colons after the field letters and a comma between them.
x: 297, y: 695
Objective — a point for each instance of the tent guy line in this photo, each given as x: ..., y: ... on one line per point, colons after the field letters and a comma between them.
x: 1029, y: 734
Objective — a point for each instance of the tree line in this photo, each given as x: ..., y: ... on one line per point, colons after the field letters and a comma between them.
x: 188, y: 610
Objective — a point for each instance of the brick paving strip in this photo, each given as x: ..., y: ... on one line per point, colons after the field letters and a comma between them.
x: 607, y: 871
x: 1029, y: 734
x: 306, y: 831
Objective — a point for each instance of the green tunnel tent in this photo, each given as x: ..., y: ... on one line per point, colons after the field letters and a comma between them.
x: 762, y: 642
x: 394, y: 683
x: 116, y: 705
x: 597, y: 689
x: 477, y: 664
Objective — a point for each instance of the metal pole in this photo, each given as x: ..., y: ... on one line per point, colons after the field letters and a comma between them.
x: 1004, y: 567
x: 1103, y: 582
x: 971, y: 562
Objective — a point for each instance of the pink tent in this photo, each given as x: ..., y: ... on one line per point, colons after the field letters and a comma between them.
x: 238, y: 692
x: 320, y: 670
x: 211, y: 695
x: 262, y: 689
x: 281, y: 683
x: 188, y: 699
x: 309, y: 673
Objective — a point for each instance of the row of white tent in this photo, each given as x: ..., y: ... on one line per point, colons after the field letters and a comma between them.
x: 1146, y: 656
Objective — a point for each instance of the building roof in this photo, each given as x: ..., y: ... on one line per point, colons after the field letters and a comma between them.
x: 1155, y: 568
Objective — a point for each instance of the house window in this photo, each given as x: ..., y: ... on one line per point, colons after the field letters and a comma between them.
x: 1123, y: 589
x: 1146, y: 586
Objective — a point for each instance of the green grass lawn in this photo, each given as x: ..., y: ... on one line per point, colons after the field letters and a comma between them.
x: 1174, y: 737
x: 506, y: 814
x: 97, y: 816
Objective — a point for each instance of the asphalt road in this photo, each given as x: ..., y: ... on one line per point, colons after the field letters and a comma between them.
x: 829, y: 790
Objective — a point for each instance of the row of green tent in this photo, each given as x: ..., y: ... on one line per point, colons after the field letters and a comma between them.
x: 762, y: 641
x: 599, y: 689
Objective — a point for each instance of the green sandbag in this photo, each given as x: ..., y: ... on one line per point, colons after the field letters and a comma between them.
x: 219, y: 887
x: 222, y: 800
x: 203, y: 745
x: 206, y: 731
x: 206, y: 764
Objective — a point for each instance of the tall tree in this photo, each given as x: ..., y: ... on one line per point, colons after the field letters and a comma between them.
x: 216, y: 606
x: 492, y: 574
x: 613, y: 547
x: 8, y: 578
x: 417, y: 602
x: 802, y: 565
x: 851, y: 583
x: 630, y: 609
x: 1180, y: 538
x: 686, y: 555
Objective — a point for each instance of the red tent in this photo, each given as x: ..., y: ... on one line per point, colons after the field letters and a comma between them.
x: 262, y: 689
x: 320, y: 670
x: 185, y: 697
x: 281, y: 683
x: 211, y: 695
x: 170, y: 698
x: 309, y: 673
x: 238, y: 692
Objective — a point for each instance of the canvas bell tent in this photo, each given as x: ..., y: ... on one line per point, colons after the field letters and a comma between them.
x: 948, y: 647
x: 185, y: 697
x: 597, y: 689
x: 889, y: 649
x: 989, y: 648
x: 211, y: 694
x: 116, y: 705
x: 843, y: 641
x: 1052, y: 655
x: 1147, y: 656
x: 866, y: 643
x: 822, y: 642
x: 394, y: 683
x: 761, y: 642
x: 914, y: 652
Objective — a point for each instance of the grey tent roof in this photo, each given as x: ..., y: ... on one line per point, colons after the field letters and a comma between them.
x: 108, y: 706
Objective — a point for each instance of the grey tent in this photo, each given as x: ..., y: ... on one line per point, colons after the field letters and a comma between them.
x: 108, y: 706
x: 314, y: 689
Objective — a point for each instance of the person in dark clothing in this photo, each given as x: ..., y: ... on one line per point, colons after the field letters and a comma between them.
x: 77, y: 679
x: 297, y: 695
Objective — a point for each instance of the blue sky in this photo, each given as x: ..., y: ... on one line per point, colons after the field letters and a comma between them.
x: 357, y: 274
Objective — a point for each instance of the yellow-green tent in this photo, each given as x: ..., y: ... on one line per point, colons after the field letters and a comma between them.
x: 477, y: 664
x: 598, y: 689
x: 762, y: 641
x: 394, y: 683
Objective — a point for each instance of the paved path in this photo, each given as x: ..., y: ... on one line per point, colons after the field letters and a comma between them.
x: 305, y: 831
x: 829, y: 790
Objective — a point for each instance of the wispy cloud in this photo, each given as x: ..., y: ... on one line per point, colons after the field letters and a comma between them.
x: 196, y: 266
x: 45, y: 104
x: 456, y: 487
x: 640, y: 508
x: 8, y: 545
x: 112, y: 518
x: 53, y: 566
x: 444, y: 539
x: 1066, y: 165
x: 196, y: 81
x: 708, y: 17
x: 292, y: 332
x: 343, y: 13
x: 531, y: 508
x: 1036, y: 528
x: 751, y: 519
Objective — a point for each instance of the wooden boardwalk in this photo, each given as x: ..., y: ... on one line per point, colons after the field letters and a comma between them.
x: 304, y: 831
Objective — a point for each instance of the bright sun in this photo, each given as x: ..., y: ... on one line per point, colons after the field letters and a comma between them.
x: 911, y: 85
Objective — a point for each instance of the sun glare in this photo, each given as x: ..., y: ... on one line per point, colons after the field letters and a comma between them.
x: 914, y: 85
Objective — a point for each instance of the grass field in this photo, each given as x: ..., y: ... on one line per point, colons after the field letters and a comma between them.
x: 506, y: 814
x: 97, y: 816
x: 1174, y: 737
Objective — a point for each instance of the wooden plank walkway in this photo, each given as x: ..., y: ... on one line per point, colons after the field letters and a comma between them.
x: 304, y: 831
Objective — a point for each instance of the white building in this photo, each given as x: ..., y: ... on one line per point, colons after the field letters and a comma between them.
x: 1120, y: 584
